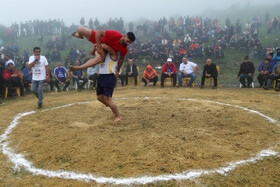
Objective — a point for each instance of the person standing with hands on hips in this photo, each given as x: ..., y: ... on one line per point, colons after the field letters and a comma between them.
x: 40, y: 69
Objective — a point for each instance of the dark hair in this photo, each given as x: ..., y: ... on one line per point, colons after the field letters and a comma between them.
x: 246, y: 58
x: 267, y: 59
x: 36, y: 48
x: 131, y: 36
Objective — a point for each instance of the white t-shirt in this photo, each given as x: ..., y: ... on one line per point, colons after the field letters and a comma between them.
x: 108, y: 66
x: 39, y: 69
x: 10, y: 61
x: 187, y: 68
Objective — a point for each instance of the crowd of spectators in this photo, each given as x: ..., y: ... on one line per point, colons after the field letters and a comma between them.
x: 173, y: 39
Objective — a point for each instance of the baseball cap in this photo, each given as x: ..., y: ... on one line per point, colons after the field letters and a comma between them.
x: 169, y: 60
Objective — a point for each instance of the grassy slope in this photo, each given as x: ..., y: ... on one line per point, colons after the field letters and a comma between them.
x: 229, y: 65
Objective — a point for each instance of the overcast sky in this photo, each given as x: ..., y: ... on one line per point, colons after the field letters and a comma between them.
x: 71, y: 11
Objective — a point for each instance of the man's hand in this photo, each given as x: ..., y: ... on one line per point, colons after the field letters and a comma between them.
x: 47, y: 78
x: 14, y: 75
x: 67, y: 80
x: 208, y: 75
x: 75, y: 77
x: 129, y: 73
x: 185, y: 74
x: 250, y: 74
x: 262, y: 72
x: 237, y: 77
x: 169, y: 74
x: 117, y: 74
x: 37, y: 57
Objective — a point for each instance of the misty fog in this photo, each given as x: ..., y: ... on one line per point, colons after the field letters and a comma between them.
x: 72, y: 11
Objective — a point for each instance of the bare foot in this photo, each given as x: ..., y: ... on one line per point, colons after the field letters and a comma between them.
x: 76, y: 34
x: 117, y: 119
x: 113, y: 115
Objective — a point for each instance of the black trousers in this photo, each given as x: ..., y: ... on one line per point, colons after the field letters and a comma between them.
x: 154, y: 80
x: 85, y: 80
x: 14, y: 82
x: 262, y: 79
x: 62, y: 80
x: 164, y: 76
x: 94, y: 78
x: 122, y: 78
x: 214, y: 77
x: 246, y: 76
x: 1, y: 85
x: 51, y: 83
x: 26, y: 84
x: 270, y: 80
x: 135, y: 75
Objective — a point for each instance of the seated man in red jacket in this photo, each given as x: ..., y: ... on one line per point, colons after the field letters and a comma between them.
x: 12, y: 79
x: 168, y: 70
x: 113, y: 39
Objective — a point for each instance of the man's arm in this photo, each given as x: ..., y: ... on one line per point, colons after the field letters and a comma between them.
x: 120, y: 63
x: 72, y: 74
x: 195, y: 69
x: 48, y: 73
x: 32, y: 64
x: 174, y: 68
x: 98, y: 36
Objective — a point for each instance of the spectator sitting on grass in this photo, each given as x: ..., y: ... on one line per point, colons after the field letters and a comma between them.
x: 60, y: 77
x: 150, y: 75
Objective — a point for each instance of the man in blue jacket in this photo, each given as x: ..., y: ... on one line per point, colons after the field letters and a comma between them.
x: 60, y: 77
x: 265, y: 70
x: 276, y: 57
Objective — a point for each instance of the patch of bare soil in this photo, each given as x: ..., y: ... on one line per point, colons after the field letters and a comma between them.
x: 155, y: 137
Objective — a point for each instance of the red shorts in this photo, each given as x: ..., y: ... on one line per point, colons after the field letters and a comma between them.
x: 92, y: 37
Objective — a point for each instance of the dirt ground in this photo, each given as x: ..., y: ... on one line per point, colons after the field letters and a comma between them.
x: 157, y: 136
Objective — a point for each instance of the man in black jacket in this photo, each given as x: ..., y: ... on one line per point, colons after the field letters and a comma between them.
x: 209, y: 70
x: 131, y: 71
x: 247, y: 69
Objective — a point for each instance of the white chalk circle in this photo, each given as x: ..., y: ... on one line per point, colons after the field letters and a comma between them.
x: 20, y: 162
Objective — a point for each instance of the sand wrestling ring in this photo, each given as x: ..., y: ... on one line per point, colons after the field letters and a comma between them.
x: 160, y: 139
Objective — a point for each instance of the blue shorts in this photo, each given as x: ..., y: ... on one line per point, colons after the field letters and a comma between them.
x: 106, y: 84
